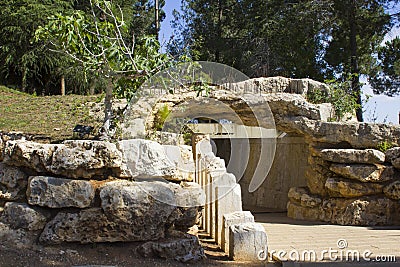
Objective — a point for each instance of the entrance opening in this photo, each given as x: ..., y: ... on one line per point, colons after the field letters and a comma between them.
x: 288, y: 170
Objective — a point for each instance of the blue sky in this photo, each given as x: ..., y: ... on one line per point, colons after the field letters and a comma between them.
x: 386, y: 109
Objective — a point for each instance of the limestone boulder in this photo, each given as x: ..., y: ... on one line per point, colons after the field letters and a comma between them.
x: 182, y: 158
x: 299, y: 212
x: 59, y: 193
x: 21, y: 215
x: 85, y: 159
x: 393, y: 156
x: 346, y: 188
x: 393, y: 190
x: 148, y: 159
x: 366, y: 211
x: 73, y: 158
x: 368, y: 156
x: 376, y: 173
x: 178, y: 246
x: 316, y: 174
x: 29, y: 154
x: 87, y: 226
x: 144, y: 205
x: 357, y: 135
x: 13, y: 183
x: 301, y: 195
x: 295, y: 105
x: 130, y: 211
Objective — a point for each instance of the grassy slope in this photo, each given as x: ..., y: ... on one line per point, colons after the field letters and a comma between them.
x: 53, y: 116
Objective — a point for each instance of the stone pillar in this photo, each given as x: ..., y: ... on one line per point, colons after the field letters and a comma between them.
x: 247, y: 242
x: 230, y: 219
x: 229, y: 199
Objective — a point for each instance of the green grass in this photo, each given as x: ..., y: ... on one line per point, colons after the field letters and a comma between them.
x: 52, y: 116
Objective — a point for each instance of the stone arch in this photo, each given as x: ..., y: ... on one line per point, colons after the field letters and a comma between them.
x: 330, y: 193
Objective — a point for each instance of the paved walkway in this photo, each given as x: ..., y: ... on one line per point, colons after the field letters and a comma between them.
x: 296, y: 242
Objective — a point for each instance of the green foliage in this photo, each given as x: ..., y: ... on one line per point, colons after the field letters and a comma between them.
x: 23, y: 63
x: 340, y: 96
x: 99, y: 43
x: 160, y: 117
x: 384, y: 145
x: 385, y: 76
x: 296, y: 39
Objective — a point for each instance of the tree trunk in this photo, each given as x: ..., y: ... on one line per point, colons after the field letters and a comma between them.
x: 157, y: 20
x: 355, y: 71
x: 62, y: 85
x: 106, y: 131
x: 219, y: 31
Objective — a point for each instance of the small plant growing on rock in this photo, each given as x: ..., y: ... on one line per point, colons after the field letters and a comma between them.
x: 161, y: 116
x: 340, y: 96
x: 384, y: 146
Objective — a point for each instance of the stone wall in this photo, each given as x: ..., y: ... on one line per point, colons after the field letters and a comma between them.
x: 92, y: 191
x: 336, y: 192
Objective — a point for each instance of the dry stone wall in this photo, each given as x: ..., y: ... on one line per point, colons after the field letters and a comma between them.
x: 83, y: 191
x: 348, y: 180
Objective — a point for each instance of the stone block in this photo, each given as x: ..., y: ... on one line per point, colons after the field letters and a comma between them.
x: 368, y: 156
x: 375, y: 173
x: 346, y: 188
x: 393, y: 190
x: 21, y: 215
x: 13, y: 183
x: 147, y: 159
x: 59, y: 193
x: 229, y: 199
x: 248, y: 242
x: 230, y: 219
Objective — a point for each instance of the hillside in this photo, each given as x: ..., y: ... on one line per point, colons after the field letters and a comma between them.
x: 52, y: 116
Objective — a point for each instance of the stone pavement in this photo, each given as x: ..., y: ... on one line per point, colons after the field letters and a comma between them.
x: 302, y: 243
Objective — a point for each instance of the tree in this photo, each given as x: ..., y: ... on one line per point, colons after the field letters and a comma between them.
x: 359, y: 28
x: 385, y: 76
x: 319, y: 39
x: 99, y: 43
x: 24, y: 64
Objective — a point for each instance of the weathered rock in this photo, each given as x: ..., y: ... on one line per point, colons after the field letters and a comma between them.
x: 85, y: 226
x: 59, y: 193
x: 393, y: 156
x: 20, y: 238
x: 316, y: 174
x: 302, y: 196
x: 131, y: 211
x: 365, y: 172
x: 13, y: 183
x: 29, y: 154
x: 289, y: 105
x: 21, y: 215
x: 364, y: 211
x: 393, y: 190
x: 356, y: 135
x: 144, y: 205
x: 246, y: 241
x: 368, y: 156
x: 178, y: 246
x: 147, y: 159
x: 74, y: 158
x: 230, y: 219
x: 86, y: 159
x: 182, y: 159
x: 296, y: 211
x: 346, y: 188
